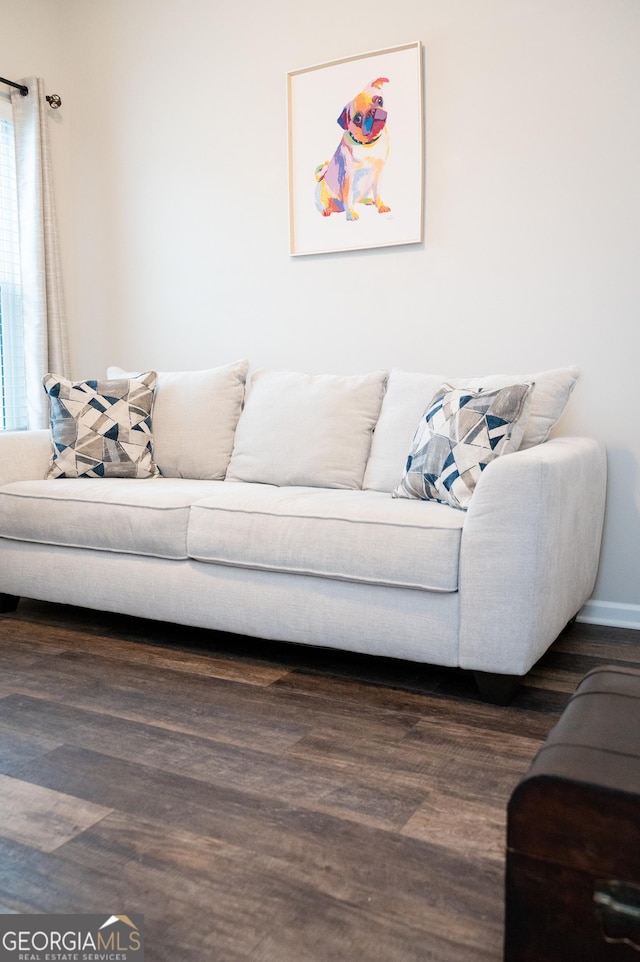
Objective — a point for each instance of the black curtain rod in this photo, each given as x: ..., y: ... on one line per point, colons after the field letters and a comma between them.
x: 21, y: 87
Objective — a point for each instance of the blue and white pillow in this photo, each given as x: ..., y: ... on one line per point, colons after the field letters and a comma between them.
x: 101, y: 429
x: 459, y: 434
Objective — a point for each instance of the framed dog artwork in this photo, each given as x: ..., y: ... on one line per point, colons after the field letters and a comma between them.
x: 356, y: 152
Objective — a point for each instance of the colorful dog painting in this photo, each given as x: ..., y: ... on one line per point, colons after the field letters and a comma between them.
x: 352, y: 176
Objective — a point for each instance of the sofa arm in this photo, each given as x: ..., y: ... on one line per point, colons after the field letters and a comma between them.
x: 24, y: 455
x: 530, y: 552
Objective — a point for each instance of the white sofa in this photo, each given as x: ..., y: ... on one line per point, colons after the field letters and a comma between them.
x: 274, y: 517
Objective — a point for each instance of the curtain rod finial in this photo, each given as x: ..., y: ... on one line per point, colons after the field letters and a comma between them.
x: 54, y: 101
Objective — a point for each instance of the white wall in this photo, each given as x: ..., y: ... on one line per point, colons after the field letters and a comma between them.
x: 176, y: 221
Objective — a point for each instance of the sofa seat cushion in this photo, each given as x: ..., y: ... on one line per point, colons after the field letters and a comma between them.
x: 147, y: 517
x: 361, y: 536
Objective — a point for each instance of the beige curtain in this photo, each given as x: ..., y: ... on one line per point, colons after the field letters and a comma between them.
x: 43, y: 314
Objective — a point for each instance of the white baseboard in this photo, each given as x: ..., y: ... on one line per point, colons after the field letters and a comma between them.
x: 613, y: 614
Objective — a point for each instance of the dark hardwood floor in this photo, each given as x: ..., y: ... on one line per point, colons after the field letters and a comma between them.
x: 263, y: 802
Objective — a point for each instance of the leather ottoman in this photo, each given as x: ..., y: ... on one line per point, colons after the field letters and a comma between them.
x: 573, y: 832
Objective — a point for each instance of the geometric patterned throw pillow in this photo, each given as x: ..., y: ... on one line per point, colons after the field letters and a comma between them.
x: 101, y: 429
x: 459, y: 434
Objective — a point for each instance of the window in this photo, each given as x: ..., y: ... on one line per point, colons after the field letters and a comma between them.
x: 13, y: 408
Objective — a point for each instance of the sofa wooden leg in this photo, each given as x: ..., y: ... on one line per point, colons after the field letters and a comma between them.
x: 497, y: 689
x: 8, y: 603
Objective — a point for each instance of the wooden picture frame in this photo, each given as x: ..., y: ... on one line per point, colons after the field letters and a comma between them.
x: 356, y: 152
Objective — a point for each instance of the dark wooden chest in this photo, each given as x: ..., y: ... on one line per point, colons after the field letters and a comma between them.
x: 573, y: 832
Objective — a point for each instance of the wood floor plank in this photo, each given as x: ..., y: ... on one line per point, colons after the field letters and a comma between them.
x: 478, y: 760
x: 581, y: 637
x: 613, y: 649
x: 178, y: 658
x: 210, y: 706
x: 323, y: 787
x: 35, y: 882
x: 116, y: 688
x: 18, y: 746
x: 43, y: 818
x: 474, y: 827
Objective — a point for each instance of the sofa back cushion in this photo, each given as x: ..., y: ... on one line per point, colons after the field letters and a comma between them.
x: 307, y: 429
x: 409, y: 394
x: 194, y: 419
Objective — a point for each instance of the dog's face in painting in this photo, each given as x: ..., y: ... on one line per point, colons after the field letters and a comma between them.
x: 352, y: 175
x: 364, y: 118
